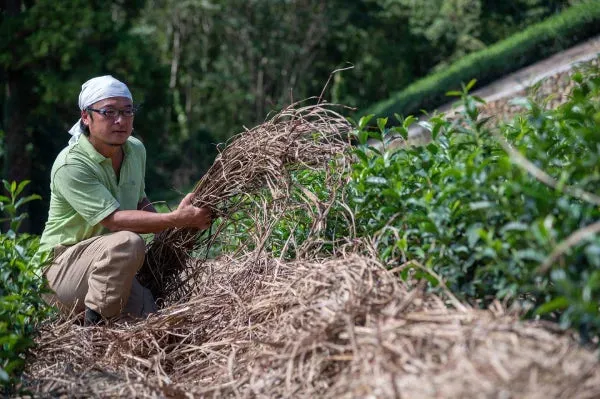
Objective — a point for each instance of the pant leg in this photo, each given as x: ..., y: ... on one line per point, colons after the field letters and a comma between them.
x: 141, y: 302
x: 68, y: 278
x: 97, y: 273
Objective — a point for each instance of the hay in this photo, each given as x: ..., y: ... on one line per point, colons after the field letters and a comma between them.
x: 339, y: 328
x: 300, y: 136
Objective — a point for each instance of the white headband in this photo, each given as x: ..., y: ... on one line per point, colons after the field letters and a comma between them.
x: 94, y: 90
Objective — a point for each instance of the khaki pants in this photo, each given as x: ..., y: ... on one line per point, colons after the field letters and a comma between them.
x: 100, y: 273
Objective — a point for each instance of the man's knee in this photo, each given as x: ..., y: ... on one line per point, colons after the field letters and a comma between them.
x: 132, y: 244
x: 111, y: 279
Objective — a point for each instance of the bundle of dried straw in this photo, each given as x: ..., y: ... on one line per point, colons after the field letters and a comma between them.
x: 299, y: 136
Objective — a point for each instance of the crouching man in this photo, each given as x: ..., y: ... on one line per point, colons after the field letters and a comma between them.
x: 98, y: 208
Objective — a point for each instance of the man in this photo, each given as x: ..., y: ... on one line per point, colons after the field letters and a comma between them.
x: 98, y: 207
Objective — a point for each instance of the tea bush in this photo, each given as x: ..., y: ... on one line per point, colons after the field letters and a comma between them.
x: 21, y: 284
x: 481, y: 217
x: 313, y: 210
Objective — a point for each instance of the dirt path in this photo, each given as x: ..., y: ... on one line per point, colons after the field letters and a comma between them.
x: 516, y: 82
x: 532, y: 74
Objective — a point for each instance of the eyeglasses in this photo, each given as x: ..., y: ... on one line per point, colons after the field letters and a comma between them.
x: 114, y: 113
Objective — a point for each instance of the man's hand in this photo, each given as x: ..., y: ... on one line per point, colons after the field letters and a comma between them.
x: 190, y: 216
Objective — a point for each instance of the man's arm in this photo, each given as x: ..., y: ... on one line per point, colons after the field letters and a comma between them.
x: 186, y: 215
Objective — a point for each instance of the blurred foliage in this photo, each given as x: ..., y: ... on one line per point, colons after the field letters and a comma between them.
x: 534, y: 43
x: 13, y: 202
x: 481, y: 217
x: 203, y: 69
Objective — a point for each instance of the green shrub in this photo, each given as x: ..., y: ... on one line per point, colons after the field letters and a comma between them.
x: 541, y: 40
x: 21, y: 307
x: 463, y: 207
x: 21, y: 285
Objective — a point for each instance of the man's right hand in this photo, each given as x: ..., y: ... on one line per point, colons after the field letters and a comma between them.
x: 190, y: 216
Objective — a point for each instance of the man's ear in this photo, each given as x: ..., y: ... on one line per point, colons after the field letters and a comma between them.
x: 85, y: 117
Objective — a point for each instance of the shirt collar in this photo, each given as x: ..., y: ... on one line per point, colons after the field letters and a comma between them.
x: 90, y: 151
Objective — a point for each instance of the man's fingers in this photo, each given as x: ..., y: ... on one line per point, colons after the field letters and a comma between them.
x: 189, y: 197
x: 187, y: 200
x: 192, y: 216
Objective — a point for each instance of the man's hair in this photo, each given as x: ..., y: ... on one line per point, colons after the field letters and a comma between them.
x: 85, y: 128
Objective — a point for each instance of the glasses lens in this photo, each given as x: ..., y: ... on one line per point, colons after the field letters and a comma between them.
x: 111, y: 113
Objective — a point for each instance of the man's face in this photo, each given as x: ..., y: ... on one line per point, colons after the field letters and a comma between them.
x: 107, y: 130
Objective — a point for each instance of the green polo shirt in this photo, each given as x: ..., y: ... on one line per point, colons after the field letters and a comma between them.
x: 85, y: 190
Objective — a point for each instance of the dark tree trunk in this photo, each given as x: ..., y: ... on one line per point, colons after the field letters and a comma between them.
x: 17, y: 101
x: 17, y: 156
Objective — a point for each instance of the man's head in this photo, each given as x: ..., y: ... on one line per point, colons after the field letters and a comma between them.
x: 109, y: 121
x: 106, y: 108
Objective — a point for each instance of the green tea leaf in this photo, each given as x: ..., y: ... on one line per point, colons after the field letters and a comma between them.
x: 553, y: 305
x: 471, y: 84
x: 20, y: 187
x: 382, y: 181
x: 364, y: 121
x: 381, y: 123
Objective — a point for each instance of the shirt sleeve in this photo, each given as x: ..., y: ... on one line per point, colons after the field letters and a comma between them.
x: 143, y: 183
x: 85, y: 193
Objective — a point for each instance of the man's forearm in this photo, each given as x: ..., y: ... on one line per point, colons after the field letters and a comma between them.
x: 141, y: 221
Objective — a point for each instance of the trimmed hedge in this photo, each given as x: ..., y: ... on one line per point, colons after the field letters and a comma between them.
x: 555, y: 34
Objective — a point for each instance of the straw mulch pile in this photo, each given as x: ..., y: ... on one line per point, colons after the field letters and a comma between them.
x: 345, y: 327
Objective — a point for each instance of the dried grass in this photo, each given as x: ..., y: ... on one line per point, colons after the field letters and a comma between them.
x: 339, y: 328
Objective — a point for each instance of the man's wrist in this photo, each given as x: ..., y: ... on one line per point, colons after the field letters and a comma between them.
x: 174, y: 219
